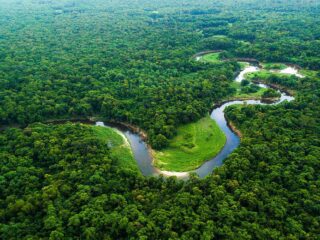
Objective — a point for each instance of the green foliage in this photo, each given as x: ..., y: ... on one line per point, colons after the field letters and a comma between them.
x: 252, y: 88
x: 46, y: 173
x: 271, y: 93
x: 274, y: 66
x: 250, y: 91
x: 132, y: 63
x: 123, y: 67
x: 285, y: 80
x: 194, y: 144
x: 159, y: 141
x: 120, y: 149
x: 219, y: 43
x: 245, y: 83
x: 212, y: 58
x: 273, y: 152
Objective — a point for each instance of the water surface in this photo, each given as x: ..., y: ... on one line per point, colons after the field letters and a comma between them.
x: 142, y: 154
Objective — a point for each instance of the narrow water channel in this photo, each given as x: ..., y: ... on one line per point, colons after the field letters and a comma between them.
x: 143, y: 156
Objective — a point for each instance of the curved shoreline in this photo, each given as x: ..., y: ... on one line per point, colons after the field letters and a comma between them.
x: 286, y: 95
x: 143, y: 153
x: 200, y: 54
x: 136, y: 135
x: 255, y: 62
x: 234, y: 129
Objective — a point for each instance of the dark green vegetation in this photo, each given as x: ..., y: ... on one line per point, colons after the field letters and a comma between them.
x: 211, y: 58
x: 118, y: 145
x: 132, y: 63
x: 49, y: 173
x: 271, y: 93
x: 82, y: 59
x: 285, y: 80
x: 194, y: 144
x: 248, y: 91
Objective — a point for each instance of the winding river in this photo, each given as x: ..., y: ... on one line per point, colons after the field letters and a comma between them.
x: 143, y: 156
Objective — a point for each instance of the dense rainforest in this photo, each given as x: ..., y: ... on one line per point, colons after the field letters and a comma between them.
x: 132, y: 62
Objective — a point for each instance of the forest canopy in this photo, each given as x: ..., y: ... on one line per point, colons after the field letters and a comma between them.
x: 132, y: 63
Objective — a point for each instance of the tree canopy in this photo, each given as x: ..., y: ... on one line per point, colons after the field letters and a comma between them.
x: 132, y: 62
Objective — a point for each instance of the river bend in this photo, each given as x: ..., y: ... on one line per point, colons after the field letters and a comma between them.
x: 143, y: 156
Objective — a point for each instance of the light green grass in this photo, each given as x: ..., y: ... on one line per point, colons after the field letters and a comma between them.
x: 264, y: 74
x: 308, y: 73
x: 243, y: 65
x: 240, y: 95
x: 274, y: 66
x: 220, y: 36
x: 244, y: 42
x: 211, y: 58
x: 194, y: 144
x: 119, y: 147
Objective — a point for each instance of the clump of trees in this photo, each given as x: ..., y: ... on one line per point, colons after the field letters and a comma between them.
x: 106, y: 72
x: 271, y: 93
x: 61, y: 182
x: 252, y: 88
x: 132, y: 64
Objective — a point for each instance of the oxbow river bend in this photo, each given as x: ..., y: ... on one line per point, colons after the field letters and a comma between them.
x: 143, y: 156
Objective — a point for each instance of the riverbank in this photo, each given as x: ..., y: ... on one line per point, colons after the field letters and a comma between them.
x: 200, y: 162
x: 200, y: 54
x: 234, y: 129
x: 212, y: 56
x: 119, y: 146
x: 281, y: 88
x: 194, y: 144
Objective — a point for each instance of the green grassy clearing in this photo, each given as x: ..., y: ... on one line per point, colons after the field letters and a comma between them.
x: 264, y: 74
x: 243, y: 65
x: 194, y: 144
x: 274, y: 66
x: 211, y: 58
x: 120, y: 147
x: 308, y: 73
x: 240, y: 94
